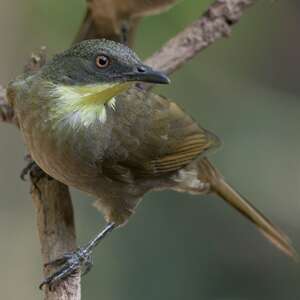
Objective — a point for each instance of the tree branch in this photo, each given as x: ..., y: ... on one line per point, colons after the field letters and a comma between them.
x: 52, y: 199
x: 216, y: 23
x: 56, y: 228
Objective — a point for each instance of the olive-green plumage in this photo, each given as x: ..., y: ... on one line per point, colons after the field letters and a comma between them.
x: 87, y: 128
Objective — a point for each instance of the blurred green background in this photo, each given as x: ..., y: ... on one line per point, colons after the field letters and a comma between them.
x: 246, y: 89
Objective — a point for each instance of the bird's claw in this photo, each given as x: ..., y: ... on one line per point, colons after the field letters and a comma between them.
x: 32, y: 170
x: 70, y: 263
x: 28, y: 168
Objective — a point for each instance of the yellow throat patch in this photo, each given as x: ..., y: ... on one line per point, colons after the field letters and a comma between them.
x: 83, y: 105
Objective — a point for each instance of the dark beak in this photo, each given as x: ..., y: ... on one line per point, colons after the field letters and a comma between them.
x: 146, y: 74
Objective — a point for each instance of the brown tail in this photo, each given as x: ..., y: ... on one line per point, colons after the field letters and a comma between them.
x: 225, y: 191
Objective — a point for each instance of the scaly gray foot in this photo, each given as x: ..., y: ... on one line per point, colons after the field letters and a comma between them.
x: 69, y: 264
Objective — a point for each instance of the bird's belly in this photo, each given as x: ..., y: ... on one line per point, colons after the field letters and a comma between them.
x: 115, y: 200
x: 61, y: 158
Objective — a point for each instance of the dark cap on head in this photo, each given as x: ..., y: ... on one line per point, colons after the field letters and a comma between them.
x: 99, y: 61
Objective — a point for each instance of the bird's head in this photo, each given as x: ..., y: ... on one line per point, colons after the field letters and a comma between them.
x: 99, y: 67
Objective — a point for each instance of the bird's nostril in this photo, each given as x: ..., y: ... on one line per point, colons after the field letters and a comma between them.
x: 141, y: 69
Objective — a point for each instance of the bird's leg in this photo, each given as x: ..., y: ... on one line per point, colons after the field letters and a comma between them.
x: 72, y: 262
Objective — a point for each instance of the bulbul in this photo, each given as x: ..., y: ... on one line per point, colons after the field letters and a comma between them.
x: 117, y: 19
x: 87, y: 125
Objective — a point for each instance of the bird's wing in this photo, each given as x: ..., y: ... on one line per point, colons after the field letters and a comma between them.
x: 181, y: 139
x: 156, y: 135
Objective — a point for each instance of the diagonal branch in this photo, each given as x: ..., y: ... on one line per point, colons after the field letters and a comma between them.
x: 216, y: 23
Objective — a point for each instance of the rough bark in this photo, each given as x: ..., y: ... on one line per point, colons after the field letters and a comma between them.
x: 216, y: 23
x: 52, y: 199
x: 56, y: 228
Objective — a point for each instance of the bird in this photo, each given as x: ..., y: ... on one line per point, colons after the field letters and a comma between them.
x: 117, y: 19
x: 88, y: 124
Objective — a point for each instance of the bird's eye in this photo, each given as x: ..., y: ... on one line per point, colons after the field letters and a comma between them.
x: 102, y: 61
